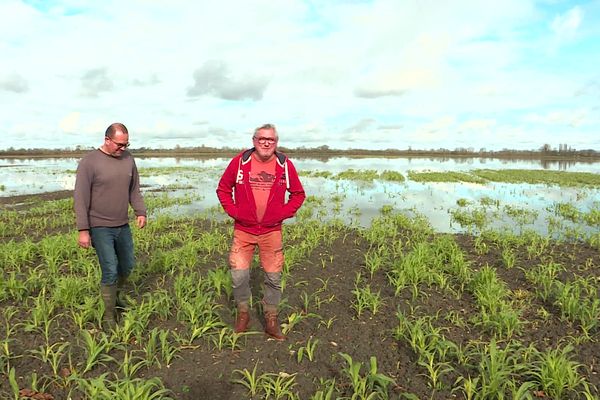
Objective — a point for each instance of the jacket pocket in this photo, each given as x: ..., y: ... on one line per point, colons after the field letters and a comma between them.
x: 273, y: 217
x: 244, y: 217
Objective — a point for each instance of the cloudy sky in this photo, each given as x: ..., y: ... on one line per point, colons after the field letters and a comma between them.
x: 343, y: 73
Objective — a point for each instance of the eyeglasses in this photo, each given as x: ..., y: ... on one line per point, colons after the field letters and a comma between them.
x: 264, y: 140
x: 119, y: 145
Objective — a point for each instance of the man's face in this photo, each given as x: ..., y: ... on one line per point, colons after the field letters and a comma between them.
x: 116, y: 145
x: 265, y: 143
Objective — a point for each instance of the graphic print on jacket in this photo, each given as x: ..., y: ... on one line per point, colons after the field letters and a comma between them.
x: 237, y: 198
x: 262, y: 176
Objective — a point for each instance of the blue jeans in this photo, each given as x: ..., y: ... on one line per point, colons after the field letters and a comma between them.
x: 114, y: 248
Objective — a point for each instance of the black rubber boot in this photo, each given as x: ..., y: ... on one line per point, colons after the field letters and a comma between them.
x: 109, y: 297
x: 121, y: 301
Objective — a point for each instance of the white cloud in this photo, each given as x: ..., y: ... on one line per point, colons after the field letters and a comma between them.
x: 478, y: 124
x: 417, y: 73
x: 70, y: 123
x: 571, y: 118
x: 565, y: 25
x: 95, y: 81
x: 214, y: 78
x: 395, y: 83
x: 14, y: 83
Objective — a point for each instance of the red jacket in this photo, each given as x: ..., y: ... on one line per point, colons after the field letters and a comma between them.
x: 235, y: 194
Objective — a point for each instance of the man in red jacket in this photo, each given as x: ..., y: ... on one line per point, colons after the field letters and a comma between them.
x: 252, y: 191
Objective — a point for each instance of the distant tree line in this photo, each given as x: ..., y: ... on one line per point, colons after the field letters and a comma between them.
x: 544, y: 152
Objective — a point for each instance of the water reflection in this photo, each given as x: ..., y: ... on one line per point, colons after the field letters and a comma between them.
x: 561, y: 165
x: 199, y: 176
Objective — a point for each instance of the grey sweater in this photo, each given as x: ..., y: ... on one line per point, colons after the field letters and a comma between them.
x: 104, y: 188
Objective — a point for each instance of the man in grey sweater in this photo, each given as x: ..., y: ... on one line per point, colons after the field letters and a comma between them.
x: 107, y: 183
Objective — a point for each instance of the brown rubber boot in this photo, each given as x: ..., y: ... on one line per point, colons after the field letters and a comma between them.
x: 242, y: 321
x: 272, y: 326
x: 243, y: 317
x: 109, y: 297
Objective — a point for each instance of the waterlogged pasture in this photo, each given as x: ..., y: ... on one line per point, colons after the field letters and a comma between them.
x: 392, y: 309
x: 361, y: 186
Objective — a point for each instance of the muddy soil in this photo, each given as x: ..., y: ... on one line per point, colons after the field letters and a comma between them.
x: 201, y: 372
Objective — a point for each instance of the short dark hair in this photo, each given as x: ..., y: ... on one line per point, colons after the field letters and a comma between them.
x: 114, y: 128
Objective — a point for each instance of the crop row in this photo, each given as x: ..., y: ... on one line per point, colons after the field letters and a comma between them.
x: 479, y: 345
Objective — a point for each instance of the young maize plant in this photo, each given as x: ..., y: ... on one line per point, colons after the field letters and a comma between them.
x: 168, y: 352
x: 365, y: 299
x: 375, y: 259
x: 40, y: 313
x: 536, y: 245
x: 131, y: 364
x: 150, y: 347
x: 497, y: 313
x: 294, y: 319
x: 309, y: 350
x: 435, y: 371
x: 180, y: 282
x: 52, y: 355
x: 327, y: 323
x: 450, y: 259
x: 425, y: 339
x: 306, y: 300
x: 579, y: 303
x: 14, y: 287
x: 87, y: 313
x: 12, y: 380
x: 52, y: 251
x: 557, y: 375
x: 508, y: 258
x: 220, y: 279
x: 6, y: 355
x: 213, y: 242
x: 279, y: 386
x: 473, y: 221
x: 158, y: 303
x: 382, y: 230
x: 469, y: 387
x: 96, y: 351
x: 498, y: 369
x: 521, y: 216
x: 326, y: 390
x: 129, y: 327
x: 250, y: 380
x: 105, y: 388
x: 226, y: 338
x: 544, y: 277
x: 481, y: 246
x: 419, y: 266
x: 372, y: 384
x: 567, y: 211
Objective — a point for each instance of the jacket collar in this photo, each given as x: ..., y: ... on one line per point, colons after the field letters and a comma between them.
x: 246, y: 156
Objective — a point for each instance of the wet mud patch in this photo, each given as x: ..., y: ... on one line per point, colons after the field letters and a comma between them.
x: 319, y: 306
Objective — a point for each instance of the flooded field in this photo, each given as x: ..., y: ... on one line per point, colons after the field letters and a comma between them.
x: 402, y: 280
x: 350, y: 183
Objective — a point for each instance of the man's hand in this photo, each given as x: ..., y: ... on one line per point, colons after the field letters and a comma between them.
x: 84, y: 239
x: 141, y: 221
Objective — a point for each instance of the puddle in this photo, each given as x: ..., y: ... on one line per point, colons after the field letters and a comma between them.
x: 199, y: 177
